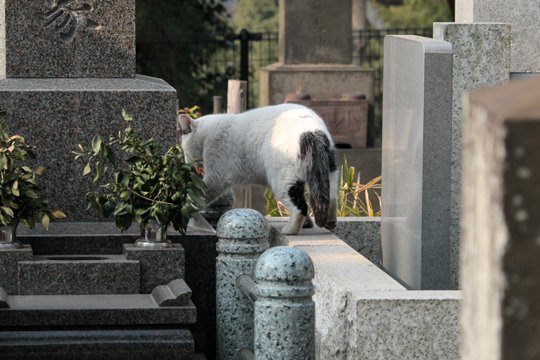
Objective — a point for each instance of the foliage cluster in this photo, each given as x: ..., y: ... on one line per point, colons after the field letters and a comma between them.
x: 142, y: 182
x: 414, y: 13
x: 20, y: 198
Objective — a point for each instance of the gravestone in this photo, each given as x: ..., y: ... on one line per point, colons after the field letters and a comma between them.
x: 416, y: 151
x: 523, y: 15
x: 315, y: 54
x: 70, y: 70
x: 501, y: 223
x: 481, y: 57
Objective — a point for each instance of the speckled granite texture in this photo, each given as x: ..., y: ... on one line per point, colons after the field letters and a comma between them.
x: 57, y: 114
x: 111, y: 274
x: 9, y: 273
x: 116, y: 344
x: 522, y: 15
x: 284, y: 311
x: 241, y: 239
x: 175, y: 293
x: 363, y: 234
x: 481, y: 59
x: 362, y: 313
x: 158, y: 266
x: 98, y: 41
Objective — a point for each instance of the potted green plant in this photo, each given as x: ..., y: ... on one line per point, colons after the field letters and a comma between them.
x: 20, y: 199
x: 142, y: 183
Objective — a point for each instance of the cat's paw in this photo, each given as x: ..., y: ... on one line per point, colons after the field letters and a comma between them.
x: 331, y: 225
x: 290, y: 229
x: 308, y: 223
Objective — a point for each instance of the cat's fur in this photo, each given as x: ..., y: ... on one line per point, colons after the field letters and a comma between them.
x: 284, y: 146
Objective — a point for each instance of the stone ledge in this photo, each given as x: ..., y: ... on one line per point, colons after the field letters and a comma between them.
x: 362, y: 313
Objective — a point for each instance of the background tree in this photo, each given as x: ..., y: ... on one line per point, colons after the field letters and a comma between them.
x: 414, y: 13
x: 256, y: 15
x: 176, y: 41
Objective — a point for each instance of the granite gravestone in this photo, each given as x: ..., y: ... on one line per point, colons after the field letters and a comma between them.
x: 481, y: 57
x: 70, y: 68
x: 315, y: 54
x: 501, y: 223
x: 416, y: 149
x: 522, y: 15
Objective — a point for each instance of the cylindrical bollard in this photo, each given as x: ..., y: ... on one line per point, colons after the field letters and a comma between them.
x: 242, y: 237
x: 284, y: 310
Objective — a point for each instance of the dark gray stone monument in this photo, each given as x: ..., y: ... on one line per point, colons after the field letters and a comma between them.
x: 70, y: 70
x: 501, y: 223
x: 315, y: 54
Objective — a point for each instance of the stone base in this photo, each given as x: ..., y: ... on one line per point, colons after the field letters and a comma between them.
x: 57, y: 114
x: 322, y: 82
x: 158, y: 266
x: 9, y: 258
x: 115, y: 343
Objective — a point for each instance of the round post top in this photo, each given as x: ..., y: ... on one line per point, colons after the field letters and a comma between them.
x: 284, y: 263
x: 242, y: 224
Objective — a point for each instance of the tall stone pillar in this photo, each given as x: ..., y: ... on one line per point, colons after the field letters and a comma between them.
x: 315, y: 54
x: 68, y: 70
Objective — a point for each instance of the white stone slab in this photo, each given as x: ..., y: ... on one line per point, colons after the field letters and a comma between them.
x: 416, y: 160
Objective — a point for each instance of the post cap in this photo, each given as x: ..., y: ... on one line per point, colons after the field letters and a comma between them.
x: 242, y: 224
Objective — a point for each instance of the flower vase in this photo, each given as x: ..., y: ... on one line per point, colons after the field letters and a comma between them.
x: 8, y: 236
x: 153, y: 234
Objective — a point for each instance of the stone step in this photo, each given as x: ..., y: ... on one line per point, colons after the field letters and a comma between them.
x: 78, y: 275
x: 117, y: 343
x: 167, y: 304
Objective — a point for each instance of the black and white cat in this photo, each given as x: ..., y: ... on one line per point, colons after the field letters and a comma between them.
x: 284, y: 146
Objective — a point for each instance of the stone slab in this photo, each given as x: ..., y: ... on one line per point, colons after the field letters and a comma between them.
x: 363, y: 234
x: 9, y: 273
x: 57, y: 114
x: 175, y: 293
x: 501, y: 223
x: 481, y: 58
x: 522, y: 15
x: 362, y: 313
x: 157, y: 266
x: 87, y: 310
x: 317, y: 38
x: 79, y: 274
x: 118, y: 344
x: 322, y: 82
x: 98, y: 41
x: 417, y: 112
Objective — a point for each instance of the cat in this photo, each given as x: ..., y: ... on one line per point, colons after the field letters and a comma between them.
x: 285, y: 147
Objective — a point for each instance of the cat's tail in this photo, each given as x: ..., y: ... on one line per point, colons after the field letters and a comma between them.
x: 318, y: 160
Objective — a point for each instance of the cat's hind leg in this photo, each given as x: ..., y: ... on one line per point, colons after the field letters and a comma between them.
x: 293, y: 198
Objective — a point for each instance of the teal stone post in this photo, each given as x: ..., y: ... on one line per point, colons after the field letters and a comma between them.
x: 242, y: 237
x: 284, y: 310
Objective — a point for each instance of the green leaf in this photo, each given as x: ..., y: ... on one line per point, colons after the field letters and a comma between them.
x: 15, y: 188
x: 7, y: 211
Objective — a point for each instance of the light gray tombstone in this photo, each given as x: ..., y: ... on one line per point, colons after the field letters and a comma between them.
x: 500, y: 266
x: 524, y: 17
x: 481, y: 58
x: 417, y: 112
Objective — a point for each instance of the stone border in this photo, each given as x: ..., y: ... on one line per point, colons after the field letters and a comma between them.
x: 362, y: 313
